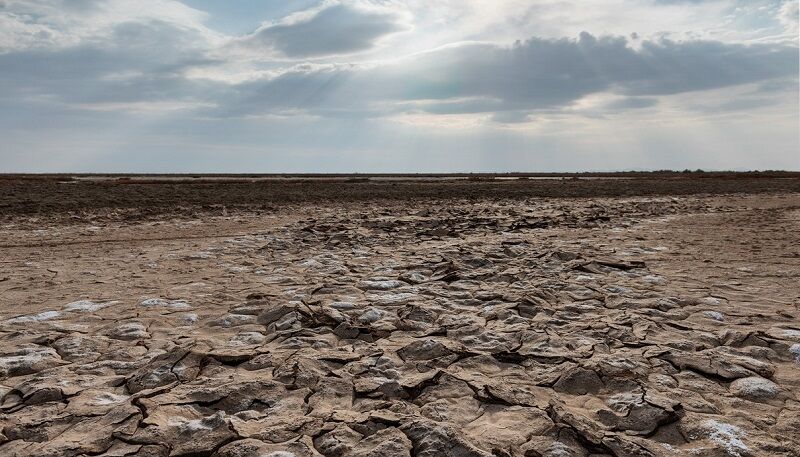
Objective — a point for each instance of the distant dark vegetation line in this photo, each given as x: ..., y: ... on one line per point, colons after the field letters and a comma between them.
x: 343, y: 176
x: 152, y: 197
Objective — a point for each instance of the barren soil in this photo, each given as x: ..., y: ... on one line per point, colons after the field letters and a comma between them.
x: 641, y: 317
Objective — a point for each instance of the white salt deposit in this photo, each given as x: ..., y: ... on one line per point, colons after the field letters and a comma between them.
x: 791, y: 333
x: 754, y: 388
x: 795, y: 351
x: 371, y: 315
x: 171, y: 304
x: 343, y: 305
x: 25, y: 357
x: 108, y: 398
x: 416, y: 277
x: 617, y: 289
x: 392, y: 299
x: 129, y: 331
x: 189, y: 318
x: 653, y: 279
x: 559, y: 450
x: 195, y: 425
x: 231, y: 320
x: 44, y: 316
x: 728, y: 436
x: 717, y: 316
x: 380, y: 284
x: 311, y: 263
x: 246, y: 339
x: 87, y: 306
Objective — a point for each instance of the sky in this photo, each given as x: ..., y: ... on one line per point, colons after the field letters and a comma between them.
x: 342, y: 86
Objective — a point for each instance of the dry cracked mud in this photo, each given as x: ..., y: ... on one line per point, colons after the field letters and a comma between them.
x: 619, y: 326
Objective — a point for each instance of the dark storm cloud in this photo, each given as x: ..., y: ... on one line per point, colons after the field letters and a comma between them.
x: 336, y: 28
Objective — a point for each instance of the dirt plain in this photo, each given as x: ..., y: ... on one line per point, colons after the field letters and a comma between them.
x: 645, y: 316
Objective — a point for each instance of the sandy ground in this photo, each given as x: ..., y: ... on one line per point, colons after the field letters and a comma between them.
x: 527, y: 326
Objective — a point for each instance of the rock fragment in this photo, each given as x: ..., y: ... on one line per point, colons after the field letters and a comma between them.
x: 754, y: 388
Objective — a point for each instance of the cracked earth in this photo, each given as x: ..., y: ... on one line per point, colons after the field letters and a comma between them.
x: 639, y: 326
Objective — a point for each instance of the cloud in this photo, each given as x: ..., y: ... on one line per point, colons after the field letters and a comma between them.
x: 112, y: 58
x: 788, y: 16
x: 673, y: 2
x: 631, y: 103
x: 334, y: 28
x: 121, y: 60
x: 61, y: 24
x: 115, y: 75
x: 122, y: 69
x: 511, y: 117
x: 538, y: 74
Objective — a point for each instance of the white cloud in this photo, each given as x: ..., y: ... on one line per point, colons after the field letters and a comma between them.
x: 535, y: 75
x: 334, y: 28
x: 141, y: 71
x: 59, y: 24
x: 788, y: 16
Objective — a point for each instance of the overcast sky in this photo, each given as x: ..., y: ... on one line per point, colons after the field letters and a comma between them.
x: 398, y: 86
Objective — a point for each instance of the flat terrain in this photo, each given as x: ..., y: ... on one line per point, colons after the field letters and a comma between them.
x: 624, y: 316
x: 143, y: 196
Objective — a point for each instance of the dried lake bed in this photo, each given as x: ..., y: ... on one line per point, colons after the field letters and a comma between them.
x: 541, y: 318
